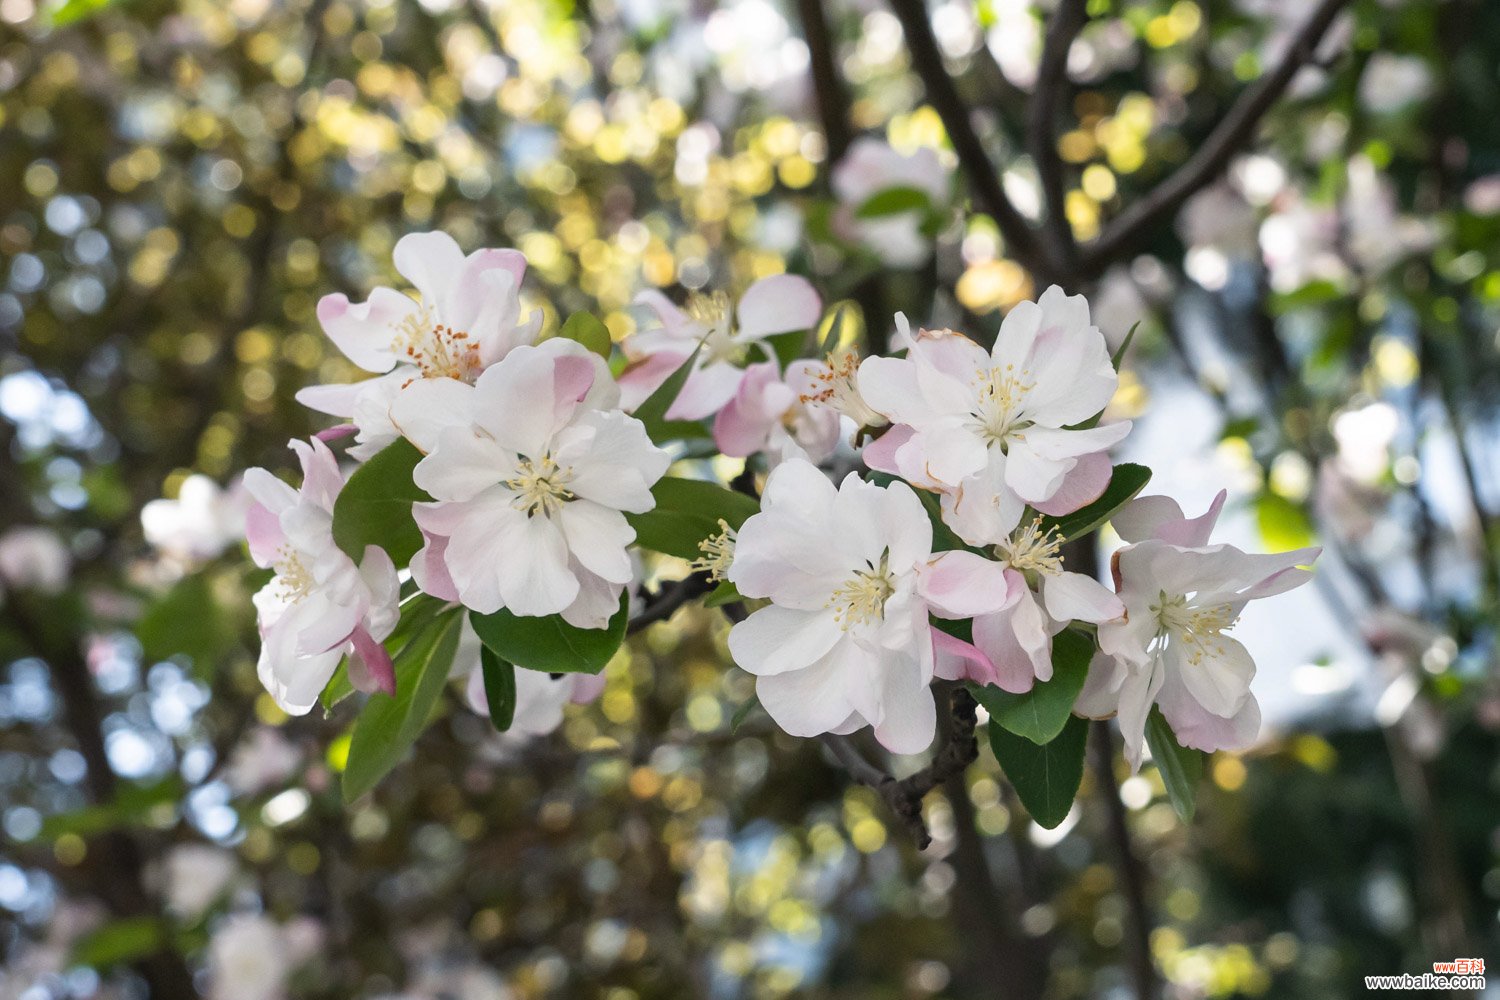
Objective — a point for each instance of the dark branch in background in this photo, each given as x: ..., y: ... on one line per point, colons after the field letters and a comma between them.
x: 115, y: 856
x: 984, y: 180
x: 828, y: 85
x: 958, y: 749
x: 661, y: 605
x: 1234, y: 131
x: 1041, y: 124
x: 1133, y: 881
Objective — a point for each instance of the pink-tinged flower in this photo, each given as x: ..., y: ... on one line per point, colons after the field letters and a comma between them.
x: 320, y: 605
x: 872, y: 166
x: 468, y: 318
x: 1016, y: 641
x: 778, y: 416
x: 783, y: 303
x: 851, y: 575
x: 992, y: 430
x: 1172, y: 648
x: 834, y: 382
x: 532, y: 470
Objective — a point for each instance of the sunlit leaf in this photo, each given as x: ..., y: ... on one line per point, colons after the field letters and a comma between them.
x: 586, y: 329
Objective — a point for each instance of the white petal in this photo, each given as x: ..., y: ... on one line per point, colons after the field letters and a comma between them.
x: 464, y: 464
x: 613, y: 461
x: 515, y: 401
x: 423, y: 409
x: 775, y: 639
x: 432, y: 262
x: 1220, y: 679
x: 1075, y: 597
x: 536, y: 579
x: 782, y: 303
x: 366, y: 331
x: 909, y: 713
x: 598, y: 537
x: 815, y: 699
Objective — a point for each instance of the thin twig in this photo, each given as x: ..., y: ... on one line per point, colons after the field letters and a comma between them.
x: 1234, y: 131
x: 1041, y: 123
x: 984, y: 180
x: 903, y: 796
x: 664, y: 603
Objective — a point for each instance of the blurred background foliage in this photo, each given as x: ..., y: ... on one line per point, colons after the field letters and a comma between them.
x: 180, y: 180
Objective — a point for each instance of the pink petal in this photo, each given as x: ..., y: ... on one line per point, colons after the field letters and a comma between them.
x: 373, y: 662
x: 880, y: 454
x: 958, y: 660
x: 1082, y: 486
x: 640, y: 379
x: 962, y: 584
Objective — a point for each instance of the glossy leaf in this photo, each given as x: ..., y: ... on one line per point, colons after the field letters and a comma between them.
x: 374, y: 507
x: 415, y: 613
x: 550, y: 644
x: 1041, y: 713
x: 1045, y: 777
x: 688, y: 511
x: 1125, y: 484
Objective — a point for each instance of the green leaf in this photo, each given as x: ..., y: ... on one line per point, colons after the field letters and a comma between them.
x: 374, y: 507
x: 742, y: 713
x: 894, y: 201
x: 838, y: 322
x: 688, y: 511
x: 653, y: 412
x: 788, y: 347
x: 1045, y: 777
x: 550, y: 644
x: 1119, y: 355
x: 944, y: 538
x: 724, y: 593
x: 1041, y: 713
x: 186, y: 621
x: 499, y: 688
x: 72, y: 11
x: 389, y: 726
x: 1283, y: 524
x: 415, y: 613
x: 1181, y: 768
x: 587, y: 330
x: 119, y: 941
x: 1126, y: 482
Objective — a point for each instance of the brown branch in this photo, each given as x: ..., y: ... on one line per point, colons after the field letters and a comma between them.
x: 984, y: 181
x: 1233, y: 133
x: 1132, y: 879
x: 1041, y: 120
x: 959, y: 748
x: 664, y: 603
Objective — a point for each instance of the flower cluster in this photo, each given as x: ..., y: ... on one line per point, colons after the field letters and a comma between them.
x: 509, y: 478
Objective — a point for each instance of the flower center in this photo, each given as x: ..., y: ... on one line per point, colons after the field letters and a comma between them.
x: 862, y: 597
x: 541, y: 486
x: 295, y: 581
x: 999, y: 410
x: 1032, y: 550
x: 713, y: 312
x: 838, y: 387
x: 1198, y: 628
x: 436, y: 350
x: 718, y: 552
